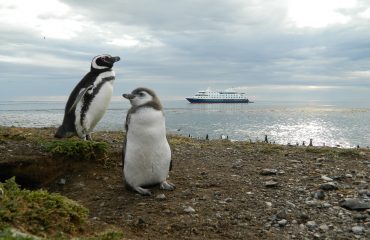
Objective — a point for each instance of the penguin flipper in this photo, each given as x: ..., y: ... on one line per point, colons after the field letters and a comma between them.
x: 124, y: 151
x: 79, y: 97
x: 125, y: 138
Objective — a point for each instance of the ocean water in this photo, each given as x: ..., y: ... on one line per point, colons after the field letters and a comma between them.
x: 331, y: 124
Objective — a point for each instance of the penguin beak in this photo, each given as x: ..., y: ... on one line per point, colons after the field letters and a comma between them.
x: 116, y: 59
x: 128, y: 96
x: 113, y: 59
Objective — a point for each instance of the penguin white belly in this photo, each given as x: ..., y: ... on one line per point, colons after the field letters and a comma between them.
x: 98, y: 106
x: 148, y: 154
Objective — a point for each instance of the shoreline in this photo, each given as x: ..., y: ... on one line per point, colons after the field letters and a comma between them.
x: 221, y: 137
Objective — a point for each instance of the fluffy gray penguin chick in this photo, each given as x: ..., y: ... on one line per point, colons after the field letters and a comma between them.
x: 146, y: 152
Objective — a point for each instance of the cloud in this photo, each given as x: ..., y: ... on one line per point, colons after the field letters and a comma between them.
x: 179, y: 47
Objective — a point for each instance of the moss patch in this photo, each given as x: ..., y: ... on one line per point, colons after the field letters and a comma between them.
x: 77, y: 149
x: 39, y: 212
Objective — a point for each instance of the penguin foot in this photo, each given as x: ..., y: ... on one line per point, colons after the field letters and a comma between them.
x: 143, y: 191
x: 167, y: 186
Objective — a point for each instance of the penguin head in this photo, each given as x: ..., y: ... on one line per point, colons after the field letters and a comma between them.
x: 103, y: 61
x: 142, y: 96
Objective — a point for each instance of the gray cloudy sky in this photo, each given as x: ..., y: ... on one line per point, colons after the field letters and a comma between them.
x: 277, y: 49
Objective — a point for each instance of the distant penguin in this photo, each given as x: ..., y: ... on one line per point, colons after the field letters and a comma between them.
x: 146, y: 152
x: 89, y: 99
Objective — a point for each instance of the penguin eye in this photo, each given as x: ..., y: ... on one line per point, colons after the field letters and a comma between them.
x: 141, y: 94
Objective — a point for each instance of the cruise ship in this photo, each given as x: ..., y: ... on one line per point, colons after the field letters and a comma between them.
x: 209, y: 96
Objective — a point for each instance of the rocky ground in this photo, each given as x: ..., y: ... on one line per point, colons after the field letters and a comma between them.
x: 224, y: 190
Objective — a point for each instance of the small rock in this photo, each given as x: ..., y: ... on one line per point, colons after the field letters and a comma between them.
x: 268, y: 171
x: 269, y: 204
x: 237, y: 164
x: 348, y: 176
x: 228, y: 200
x: 326, y: 178
x: 319, y: 195
x: 140, y: 221
x: 326, y: 205
x: 312, y: 203
x: 291, y: 204
x: 311, y: 224
x: 320, y: 159
x: 161, y: 197
x: 364, y: 192
x: 62, y: 181
x: 186, y: 192
x: 271, y: 184
x: 358, y: 230
x: 329, y: 186
x: 282, y: 222
x: 189, y: 210
x: 360, y: 217
x: 355, y: 204
x: 324, y: 227
x: 281, y: 214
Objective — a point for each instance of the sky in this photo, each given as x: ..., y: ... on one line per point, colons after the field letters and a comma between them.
x: 293, y: 50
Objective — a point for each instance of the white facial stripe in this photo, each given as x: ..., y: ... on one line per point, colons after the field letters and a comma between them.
x: 96, y: 66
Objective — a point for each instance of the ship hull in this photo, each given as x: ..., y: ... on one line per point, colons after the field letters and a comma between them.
x: 197, y: 100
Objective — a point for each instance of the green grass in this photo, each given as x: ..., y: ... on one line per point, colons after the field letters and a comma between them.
x: 77, y: 149
x: 39, y: 212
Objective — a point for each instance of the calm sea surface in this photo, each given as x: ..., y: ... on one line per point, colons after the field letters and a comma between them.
x: 344, y: 124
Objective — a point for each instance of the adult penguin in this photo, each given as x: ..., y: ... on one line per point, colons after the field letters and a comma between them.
x: 90, y: 99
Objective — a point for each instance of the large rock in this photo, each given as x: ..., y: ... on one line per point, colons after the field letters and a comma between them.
x: 355, y: 204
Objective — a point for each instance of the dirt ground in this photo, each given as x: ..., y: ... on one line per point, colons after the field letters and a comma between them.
x: 224, y: 190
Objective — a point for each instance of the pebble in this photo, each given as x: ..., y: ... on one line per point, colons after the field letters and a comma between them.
x: 268, y: 171
x: 319, y: 195
x: 161, y: 197
x: 360, y: 217
x: 189, y: 210
x: 237, y: 164
x: 364, y: 192
x: 311, y: 224
x: 324, y: 227
x: 326, y: 205
x: 312, y: 203
x: 269, y: 204
x: 329, y: 186
x: 271, y: 183
x: 62, y: 181
x: 281, y: 214
x: 320, y: 159
x: 282, y: 222
x: 326, y: 178
x: 358, y: 230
